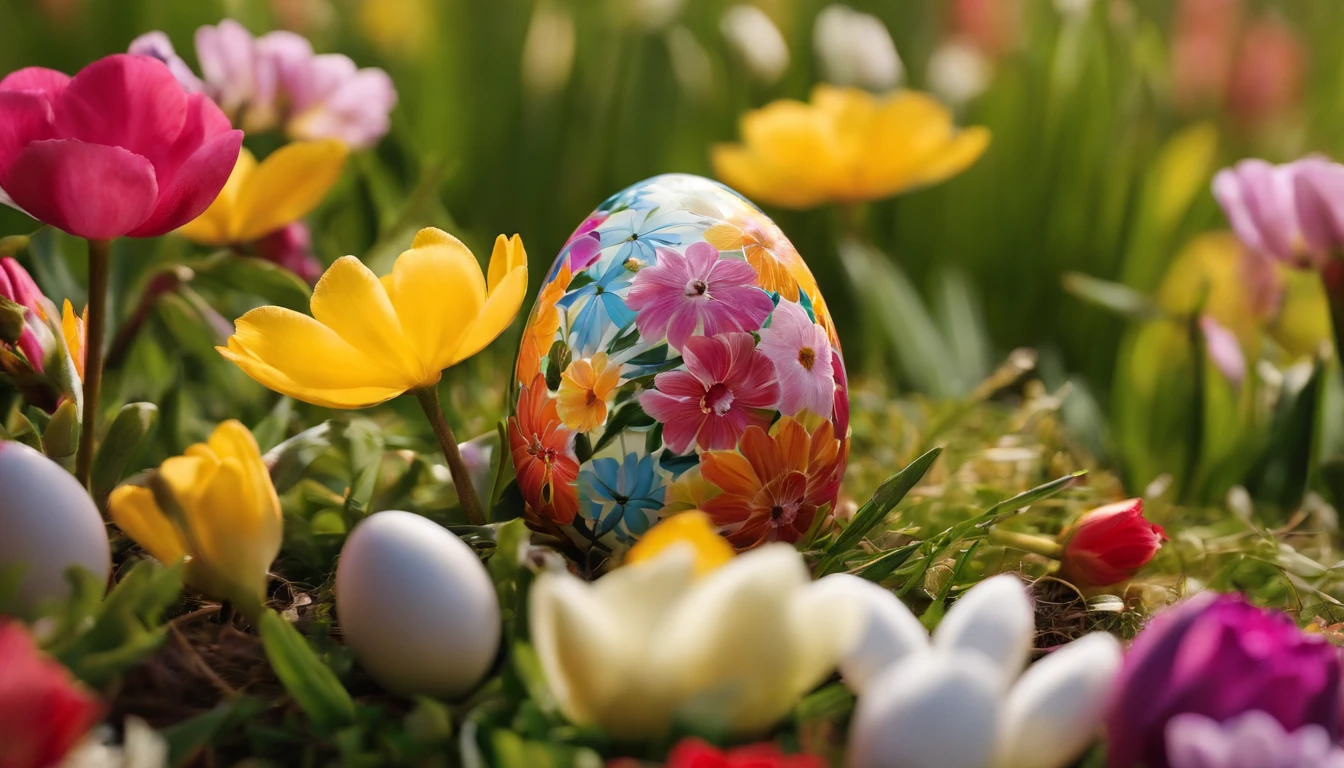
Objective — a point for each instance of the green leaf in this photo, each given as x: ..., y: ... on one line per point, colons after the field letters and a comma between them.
x: 871, y: 514
x: 60, y: 438
x: 631, y: 416
x: 98, y: 639
x: 187, y: 738
x: 1117, y: 297
x: 255, y: 277
x: 826, y: 703
x: 132, y: 425
x: 309, y: 681
x: 271, y: 429
x: 290, y: 459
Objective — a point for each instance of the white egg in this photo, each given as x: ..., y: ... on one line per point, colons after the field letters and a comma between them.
x: 416, y: 605
x: 48, y: 523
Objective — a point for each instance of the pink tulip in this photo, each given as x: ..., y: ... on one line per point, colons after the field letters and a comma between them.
x: 118, y: 150
x: 17, y: 286
x: 42, y: 712
x: 330, y: 98
x: 1292, y: 212
x: 157, y: 45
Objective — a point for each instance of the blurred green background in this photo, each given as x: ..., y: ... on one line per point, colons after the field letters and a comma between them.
x: 1108, y: 120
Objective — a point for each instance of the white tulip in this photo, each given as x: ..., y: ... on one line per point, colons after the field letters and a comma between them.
x: 548, y: 51
x: 963, y: 700
x: 649, y: 643
x: 757, y: 42
x: 995, y: 618
x: 958, y: 72
x: 855, y: 48
x: 890, y: 631
x: 1056, y: 706
x: 936, y: 709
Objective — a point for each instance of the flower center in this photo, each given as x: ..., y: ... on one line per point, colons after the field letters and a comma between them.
x: 783, y: 513
x: 807, y: 358
x: 539, y: 451
x: 717, y: 400
x: 590, y: 397
x: 632, y: 264
x: 696, y: 288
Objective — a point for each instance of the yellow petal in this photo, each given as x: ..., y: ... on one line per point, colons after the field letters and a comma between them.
x: 350, y: 300
x: 133, y: 509
x: 285, y: 187
x: 507, y: 256
x: 235, y: 537
x: 215, y: 226
x: 499, y: 310
x: 295, y: 355
x: 743, y: 170
x: 798, y: 143
x: 692, y: 529
x: 233, y: 441
x: 72, y: 330
x: 437, y: 291
x: 959, y: 155
x: 188, y: 476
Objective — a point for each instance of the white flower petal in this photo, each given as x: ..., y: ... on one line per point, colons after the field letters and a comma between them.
x: 889, y: 633
x: 1055, y: 710
x: 994, y: 618
x: 936, y: 709
x: 827, y: 621
x: 580, y: 643
x: 728, y: 647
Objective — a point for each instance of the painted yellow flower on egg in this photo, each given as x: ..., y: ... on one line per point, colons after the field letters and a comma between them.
x: 585, y: 388
x: 370, y: 339
x: 846, y: 146
x: 260, y: 198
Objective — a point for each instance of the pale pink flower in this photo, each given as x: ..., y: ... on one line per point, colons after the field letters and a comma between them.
x: 696, y: 290
x: 801, y: 352
x: 331, y: 98
x: 727, y: 386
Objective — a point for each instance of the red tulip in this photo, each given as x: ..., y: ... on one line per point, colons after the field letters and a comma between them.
x: 119, y: 149
x: 42, y: 712
x: 694, y: 753
x: 1109, y: 544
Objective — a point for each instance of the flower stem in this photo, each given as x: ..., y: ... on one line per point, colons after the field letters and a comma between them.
x: 1026, y: 542
x: 93, y: 356
x: 466, y: 492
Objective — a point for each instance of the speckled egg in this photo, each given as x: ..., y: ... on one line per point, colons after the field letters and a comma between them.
x: 679, y: 356
x: 48, y: 524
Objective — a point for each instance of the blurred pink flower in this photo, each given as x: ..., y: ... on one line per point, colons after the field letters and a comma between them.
x: 291, y: 247
x: 17, y: 286
x: 276, y: 80
x: 696, y: 290
x: 157, y: 45
x: 994, y: 27
x: 1292, y: 212
x: 727, y: 386
x: 330, y: 98
x: 801, y: 353
x: 1267, y: 75
x: 42, y: 712
x: 1203, y: 40
x: 119, y: 149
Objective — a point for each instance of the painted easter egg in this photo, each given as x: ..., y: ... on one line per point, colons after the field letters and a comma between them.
x: 679, y: 356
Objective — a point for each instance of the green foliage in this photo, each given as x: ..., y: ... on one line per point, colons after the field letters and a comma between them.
x: 308, y: 679
x: 100, y: 638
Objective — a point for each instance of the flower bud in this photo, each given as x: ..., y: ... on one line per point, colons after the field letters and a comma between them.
x: 1109, y: 544
x: 291, y: 247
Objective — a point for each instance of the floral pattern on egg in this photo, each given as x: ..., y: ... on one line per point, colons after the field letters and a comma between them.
x: 679, y: 356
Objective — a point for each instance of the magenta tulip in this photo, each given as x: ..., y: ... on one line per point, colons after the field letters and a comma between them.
x: 120, y: 149
x: 1220, y: 657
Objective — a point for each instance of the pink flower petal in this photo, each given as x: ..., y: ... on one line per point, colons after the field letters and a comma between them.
x: 41, y: 80
x: 24, y: 117
x: 89, y: 190
x: 126, y: 101
x: 226, y: 55
x: 195, y: 185
x: 679, y: 384
x: 1319, y: 189
x: 681, y: 419
x: 700, y: 260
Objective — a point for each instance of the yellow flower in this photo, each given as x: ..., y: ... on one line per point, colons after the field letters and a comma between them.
x: 214, y: 506
x: 690, y: 491
x: 260, y: 198
x: 688, y: 528
x: 369, y: 340
x: 585, y: 388
x: 72, y: 328
x: 846, y: 146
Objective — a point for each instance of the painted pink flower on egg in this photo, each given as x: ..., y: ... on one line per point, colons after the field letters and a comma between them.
x: 801, y: 353
x: 727, y: 386
x: 698, y: 289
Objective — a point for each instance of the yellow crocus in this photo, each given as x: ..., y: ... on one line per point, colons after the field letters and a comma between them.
x: 215, y: 506
x: 846, y: 146
x: 692, y: 528
x: 260, y: 198
x: 369, y: 339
